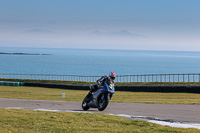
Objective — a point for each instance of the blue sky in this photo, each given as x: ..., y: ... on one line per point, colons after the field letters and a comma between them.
x: 105, y: 24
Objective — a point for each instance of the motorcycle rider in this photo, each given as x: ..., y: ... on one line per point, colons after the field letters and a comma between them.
x: 110, y: 78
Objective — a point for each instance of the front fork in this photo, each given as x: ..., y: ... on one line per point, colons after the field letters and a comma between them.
x: 88, y: 97
x: 110, y: 96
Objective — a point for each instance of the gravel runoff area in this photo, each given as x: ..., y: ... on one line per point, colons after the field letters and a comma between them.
x: 175, y: 115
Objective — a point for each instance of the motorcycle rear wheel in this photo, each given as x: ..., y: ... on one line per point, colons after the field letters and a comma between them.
x: 103, y: 102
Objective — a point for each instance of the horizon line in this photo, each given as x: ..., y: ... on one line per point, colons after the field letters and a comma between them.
x: 100, y: 49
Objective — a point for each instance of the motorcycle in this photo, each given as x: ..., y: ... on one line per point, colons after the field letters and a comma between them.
x: 100, y: 98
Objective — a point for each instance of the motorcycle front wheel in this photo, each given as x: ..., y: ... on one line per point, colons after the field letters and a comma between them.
x: 84, y: 105
x: 103, y: 102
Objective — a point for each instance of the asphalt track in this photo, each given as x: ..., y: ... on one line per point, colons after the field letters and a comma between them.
x: 169, y: 112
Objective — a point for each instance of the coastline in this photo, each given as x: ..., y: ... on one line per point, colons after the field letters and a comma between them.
x: 22, y: 53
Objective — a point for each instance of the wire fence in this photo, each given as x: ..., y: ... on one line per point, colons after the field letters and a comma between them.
x: 191, y: 77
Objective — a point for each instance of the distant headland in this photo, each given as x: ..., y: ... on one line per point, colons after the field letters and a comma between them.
x: 22, y: 53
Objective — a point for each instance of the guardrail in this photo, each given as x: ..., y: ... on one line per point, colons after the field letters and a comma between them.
x: 191, y: 77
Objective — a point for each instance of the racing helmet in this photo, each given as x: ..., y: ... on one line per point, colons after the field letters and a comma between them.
x: 112, y: 75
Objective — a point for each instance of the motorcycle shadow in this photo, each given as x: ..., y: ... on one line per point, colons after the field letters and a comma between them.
x: 91, y: 110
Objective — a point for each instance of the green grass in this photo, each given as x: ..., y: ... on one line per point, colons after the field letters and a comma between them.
x: 27, y: 121
x: 39, y: 93
x: 88, y: 83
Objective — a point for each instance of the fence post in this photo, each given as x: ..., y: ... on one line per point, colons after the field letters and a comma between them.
x: 193, y: 78
x: 152, y: 78
x: 156, y: 77
x: 188, y: 78
x: 199, y: 77
x: 178, y: 77
x: 169, y: 78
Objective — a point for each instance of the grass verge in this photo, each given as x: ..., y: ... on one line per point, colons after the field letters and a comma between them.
x: 27, y: 121
x: 39, y: 93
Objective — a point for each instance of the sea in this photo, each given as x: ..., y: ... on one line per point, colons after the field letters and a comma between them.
x: 96, y: 62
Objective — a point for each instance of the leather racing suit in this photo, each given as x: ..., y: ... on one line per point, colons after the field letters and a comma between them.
x: 101, y: 82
